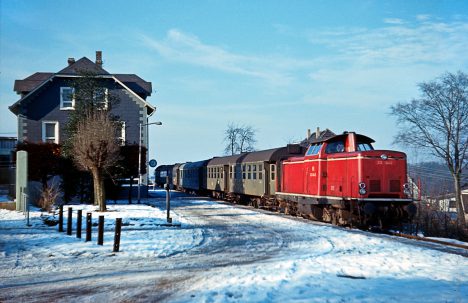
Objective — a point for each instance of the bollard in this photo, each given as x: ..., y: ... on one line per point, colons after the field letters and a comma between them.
x: 118, y: 228
x: 100, y: 240
x: 69, y: 222
x: 168, y: 201
x: 88, y: 226
x: 78, y: 223
x: 60, y: 218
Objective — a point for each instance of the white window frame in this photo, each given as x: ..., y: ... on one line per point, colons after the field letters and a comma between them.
x: 121, y: 138
x: 62, y: 107
x: 56, y: 133
x: 106, y: 97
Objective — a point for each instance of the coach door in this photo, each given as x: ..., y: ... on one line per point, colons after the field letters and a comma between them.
x: 272, y: 179
x: 226, y: 171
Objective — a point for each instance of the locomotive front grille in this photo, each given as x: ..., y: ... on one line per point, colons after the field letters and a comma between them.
x: 395, y: 186
x: 374, y: 186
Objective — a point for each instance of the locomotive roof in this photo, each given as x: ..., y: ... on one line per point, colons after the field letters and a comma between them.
x: 359, y: 137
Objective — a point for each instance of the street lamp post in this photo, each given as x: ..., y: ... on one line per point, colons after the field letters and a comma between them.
x: 139, y: 155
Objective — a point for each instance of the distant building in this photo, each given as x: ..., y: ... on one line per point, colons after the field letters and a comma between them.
x: 7, y: 170
x: 7, y: 148
x: 318, y: 135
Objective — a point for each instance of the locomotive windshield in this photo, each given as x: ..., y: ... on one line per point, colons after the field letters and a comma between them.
x: 314, y: 149
x: 361, y: 146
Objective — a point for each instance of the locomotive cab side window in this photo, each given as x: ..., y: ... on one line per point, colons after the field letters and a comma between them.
x: 335, y: 147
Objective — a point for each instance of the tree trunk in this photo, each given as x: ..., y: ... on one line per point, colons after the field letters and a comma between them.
x: 459, y: 201
x: 99, y: 194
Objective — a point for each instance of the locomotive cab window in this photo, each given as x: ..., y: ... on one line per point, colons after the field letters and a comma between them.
x: 314, y: 149
x: 335, y: 147
x: 361, y: 146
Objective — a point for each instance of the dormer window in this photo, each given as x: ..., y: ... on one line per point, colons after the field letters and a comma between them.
x: 100, y: 97
x: 67, y: 100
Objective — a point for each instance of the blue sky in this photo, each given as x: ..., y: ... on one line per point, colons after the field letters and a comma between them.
x: 279, y: 66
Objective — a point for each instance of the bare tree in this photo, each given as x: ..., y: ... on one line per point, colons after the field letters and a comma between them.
x: 438, y: 122
x: 95, y: 148
x: 239, y: 138
x: 246, y: 139
x: 231, y: 134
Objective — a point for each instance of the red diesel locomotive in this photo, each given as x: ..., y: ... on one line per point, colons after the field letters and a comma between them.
x: 343, y: 180
x: 339, y: 179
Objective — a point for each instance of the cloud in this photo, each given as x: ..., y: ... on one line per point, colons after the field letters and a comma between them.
x: 423, y: 17
x: 187, y: 48
x: 397, y: 43
x: 393, y: 21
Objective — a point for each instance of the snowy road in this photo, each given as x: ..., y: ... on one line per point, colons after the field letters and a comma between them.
x: 222, y: 254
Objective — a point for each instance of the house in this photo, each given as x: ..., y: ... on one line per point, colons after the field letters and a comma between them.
x: 46, y: 100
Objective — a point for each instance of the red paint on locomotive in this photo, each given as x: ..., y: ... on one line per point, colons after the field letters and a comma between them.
x: 345, y: 167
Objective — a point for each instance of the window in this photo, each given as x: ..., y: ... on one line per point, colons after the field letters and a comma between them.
x: 243, y: 171
x: 335, y: 147
x: 314, y: 149
x: 249, y: 175
x: 67, y: 100
x: 120, y: 135
x: 254, y: 171
x: 272, y: 171
x: 260, y: 171
x: 230, y: 171
x: 50, y: 132
x: 101, y: 98
x: 364, y: 146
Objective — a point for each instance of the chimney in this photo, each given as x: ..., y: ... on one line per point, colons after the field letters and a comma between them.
x: 71, y: 61
x: 317, y: 133
x: 308, y: 134
x: 99, y: 58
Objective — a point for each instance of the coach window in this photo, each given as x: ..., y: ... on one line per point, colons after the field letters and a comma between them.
x: 243, y: 171
x: 272, y: 172
x: 221, y: 175
x: 254, y: 174
x: 260, y: 171
x: 249, y: 174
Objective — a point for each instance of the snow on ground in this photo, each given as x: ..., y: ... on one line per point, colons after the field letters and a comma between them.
x: 221, y: 253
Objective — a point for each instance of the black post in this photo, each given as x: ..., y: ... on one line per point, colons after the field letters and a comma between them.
x: 118, y: 228
x: 88, y: 226
x: 100, y: 240
x: 168, y: 201
x: 69, y: 221
x: 78, y: 223
x: 60, y: 218
x: 130, y: 191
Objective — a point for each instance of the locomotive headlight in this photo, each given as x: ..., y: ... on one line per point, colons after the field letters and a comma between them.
x: 406, y: 189
x: 383, y: 157
x: 362, y: 188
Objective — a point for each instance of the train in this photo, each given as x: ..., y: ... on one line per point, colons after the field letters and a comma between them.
x: 340, y: 179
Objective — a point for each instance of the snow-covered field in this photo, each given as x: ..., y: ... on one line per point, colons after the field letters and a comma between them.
x: 220, y: 253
